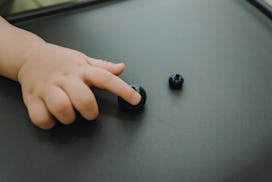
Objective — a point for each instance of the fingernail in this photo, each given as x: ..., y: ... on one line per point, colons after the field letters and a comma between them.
x: 136, y: 98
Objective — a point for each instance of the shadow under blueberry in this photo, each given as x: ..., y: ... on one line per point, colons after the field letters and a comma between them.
x: 108, y: 105
x: 128, y: 122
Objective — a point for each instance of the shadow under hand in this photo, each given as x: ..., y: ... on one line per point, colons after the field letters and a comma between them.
x: 66, y: 134
x: 81, y: 128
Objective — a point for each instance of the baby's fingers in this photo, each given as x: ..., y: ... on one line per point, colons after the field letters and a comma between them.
x: 38, y: 112
x: 115, y: 69
x: 81, y: 97
x: 106, y: 80
x: 59, y: 104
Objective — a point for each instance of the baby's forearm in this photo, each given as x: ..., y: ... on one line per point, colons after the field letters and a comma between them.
x: 15, y: 46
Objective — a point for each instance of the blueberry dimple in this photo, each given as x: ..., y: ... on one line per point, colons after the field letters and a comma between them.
x: 125, y: 106
x: 176, y: 81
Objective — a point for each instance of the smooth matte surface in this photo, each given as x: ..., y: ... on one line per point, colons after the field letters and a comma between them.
x: 218, y: 128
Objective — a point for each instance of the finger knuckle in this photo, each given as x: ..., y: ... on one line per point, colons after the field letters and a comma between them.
x: 85, y: 102
x: 61, y: 106
x: 105, y: 63
x: 106, y: 76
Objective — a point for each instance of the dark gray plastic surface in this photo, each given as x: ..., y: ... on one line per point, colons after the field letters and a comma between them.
x: 218, y: 128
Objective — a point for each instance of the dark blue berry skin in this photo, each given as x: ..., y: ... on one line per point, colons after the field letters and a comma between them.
x: 125, y: 106
x: 176, y: 81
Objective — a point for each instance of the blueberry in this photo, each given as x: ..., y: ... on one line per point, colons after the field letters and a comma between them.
x: 125, y: 106
x: 176, y: 81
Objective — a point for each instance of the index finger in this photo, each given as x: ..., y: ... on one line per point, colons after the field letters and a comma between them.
x: 104, y: 79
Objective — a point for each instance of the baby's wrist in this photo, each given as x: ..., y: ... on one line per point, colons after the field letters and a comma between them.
x: 31, y: 52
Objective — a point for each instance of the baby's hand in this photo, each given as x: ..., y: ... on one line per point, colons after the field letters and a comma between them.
x: 55, y: 81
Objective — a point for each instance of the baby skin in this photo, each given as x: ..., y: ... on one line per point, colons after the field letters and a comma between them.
x: 56, y: 81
